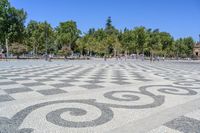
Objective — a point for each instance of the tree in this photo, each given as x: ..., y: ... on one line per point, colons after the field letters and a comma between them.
x: 40, y: 37
x: 127, y: 40
x: 166, y: 41
x: 81, y: 44
x: 16, y: 26
x: 180, y: 48
x: 65, y: 51
x: 100, y: 42
x: 18, y: 49
x: 11, y: 24
x: 140, y: 39
x: 110, y: 29
x: 189, y: 42
x: 154, y: 45
x: 117, y: 46
x: 67, y: 34
x: 4, y: 26
x: 184, y: 47
x: 112, y: 44
x: 87, y: 43
x: 47, y: 37
x: 33, y: 35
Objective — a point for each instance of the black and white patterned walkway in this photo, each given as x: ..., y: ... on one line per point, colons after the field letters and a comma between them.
x: 96, y: 96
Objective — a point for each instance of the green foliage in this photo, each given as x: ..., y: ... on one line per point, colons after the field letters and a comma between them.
x: 18, y: 49
x: 140, y: 39
x: 67, y: 33
x: 110, y: 29
x: 127, y: 39
x: 4, y: 7
x: 153, y: 44
x: 11, y: 23
x: 65, y: 51
x: 41, y: 38
x: 184, y: 46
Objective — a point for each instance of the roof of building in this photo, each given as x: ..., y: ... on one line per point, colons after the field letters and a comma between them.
x: 197, y: 45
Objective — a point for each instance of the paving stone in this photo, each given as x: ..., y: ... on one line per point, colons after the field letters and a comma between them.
x: 51, y: 91
x: 17, y: 90
x: 5, y: 98
x: 97, y: 96
x: 185, y: 125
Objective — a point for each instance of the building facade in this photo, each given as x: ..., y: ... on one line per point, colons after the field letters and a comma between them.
x: 196, y: 50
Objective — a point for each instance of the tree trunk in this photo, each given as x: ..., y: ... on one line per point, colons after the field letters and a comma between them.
x: 81, y: 53
x: 7, y: 48
x: 115, y: 52
x: 137, y: 55
x: 33, y: 51
x: 36, y: 51
x: 151, y: 56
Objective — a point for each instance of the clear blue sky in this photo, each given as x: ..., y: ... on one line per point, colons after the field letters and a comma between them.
x: 181, y: 18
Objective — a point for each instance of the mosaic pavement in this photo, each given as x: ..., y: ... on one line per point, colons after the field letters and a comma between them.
x: 96, y: 97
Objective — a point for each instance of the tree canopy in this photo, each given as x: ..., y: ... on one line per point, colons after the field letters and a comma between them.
x: 40, y: 38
